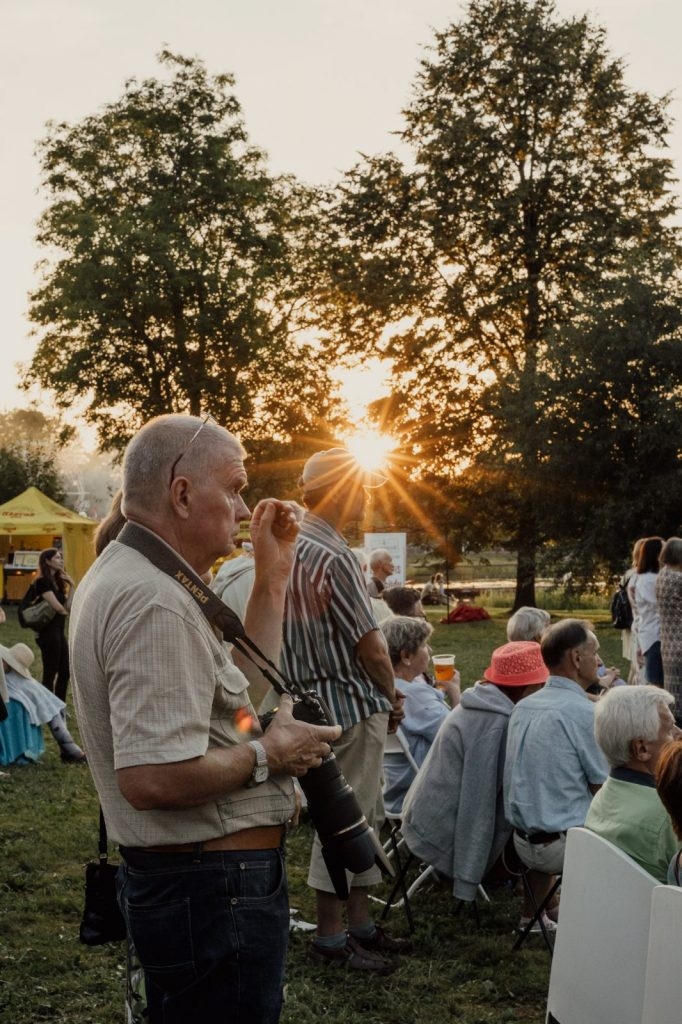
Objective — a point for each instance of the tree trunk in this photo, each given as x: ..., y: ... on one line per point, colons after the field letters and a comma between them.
x: 525, y: 567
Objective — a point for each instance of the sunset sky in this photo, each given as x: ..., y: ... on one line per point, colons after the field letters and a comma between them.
x: 318, y: 81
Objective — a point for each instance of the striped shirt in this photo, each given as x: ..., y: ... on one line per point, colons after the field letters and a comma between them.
x: 327, y: 612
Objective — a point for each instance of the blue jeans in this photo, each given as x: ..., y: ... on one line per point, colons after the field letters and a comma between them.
x: 211, y: 934
x: 653, y: 665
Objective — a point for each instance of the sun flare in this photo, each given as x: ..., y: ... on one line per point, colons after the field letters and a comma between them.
x: 370, y: 447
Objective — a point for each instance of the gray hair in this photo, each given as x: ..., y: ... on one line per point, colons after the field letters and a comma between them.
x: 527, y: 624
x: 628, y: 713
x: 405, y: 635
x: 150, y: 455
x: 377, y: 556
x: 671, y: 552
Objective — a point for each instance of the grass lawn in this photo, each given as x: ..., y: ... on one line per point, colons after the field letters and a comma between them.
x: 48, y: 831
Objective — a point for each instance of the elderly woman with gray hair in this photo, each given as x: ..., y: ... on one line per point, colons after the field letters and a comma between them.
x: 425, y: 708
x: 633, y: 724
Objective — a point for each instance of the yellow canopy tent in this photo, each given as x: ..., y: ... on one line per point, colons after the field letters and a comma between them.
x: 35, y: 520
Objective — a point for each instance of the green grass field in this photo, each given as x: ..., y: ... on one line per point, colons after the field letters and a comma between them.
x: 48, y: 831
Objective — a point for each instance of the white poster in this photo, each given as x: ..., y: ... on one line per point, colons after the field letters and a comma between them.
x: 396, y: 544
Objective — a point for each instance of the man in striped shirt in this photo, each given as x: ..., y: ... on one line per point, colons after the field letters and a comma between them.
x: 332, y: 644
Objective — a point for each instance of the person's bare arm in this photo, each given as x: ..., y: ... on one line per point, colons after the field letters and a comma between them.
x: 273, y: 531
x: 373, y: 656
x: 292, y: 748
x: 50, y: 597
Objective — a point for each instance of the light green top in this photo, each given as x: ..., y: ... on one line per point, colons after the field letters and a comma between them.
x: 631, y: 816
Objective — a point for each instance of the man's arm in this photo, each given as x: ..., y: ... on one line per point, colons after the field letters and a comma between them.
x: 371, y: 652
x: 292, y: 748
x: 273, y: 531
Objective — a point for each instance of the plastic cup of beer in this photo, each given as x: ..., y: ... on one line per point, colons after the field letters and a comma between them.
x: 443, y: 667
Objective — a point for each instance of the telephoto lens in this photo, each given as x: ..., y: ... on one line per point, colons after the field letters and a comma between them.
x: 348, y: 842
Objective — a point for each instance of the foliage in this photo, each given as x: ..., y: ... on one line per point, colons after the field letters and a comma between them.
x: 29, y: 451
x: 523, y: 278
x: 175, y: 267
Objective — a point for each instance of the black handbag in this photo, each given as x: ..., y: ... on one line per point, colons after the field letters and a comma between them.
x: 102, y: 919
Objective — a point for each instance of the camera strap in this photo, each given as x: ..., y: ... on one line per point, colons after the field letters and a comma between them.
x: 216, y: 611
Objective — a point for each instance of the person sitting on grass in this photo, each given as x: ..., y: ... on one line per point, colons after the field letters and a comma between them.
x: 425, y: 707
x: 632, y: 725
x: 42, y: 706
x: 453, y: 815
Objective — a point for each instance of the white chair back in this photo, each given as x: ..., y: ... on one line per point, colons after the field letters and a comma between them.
x: 396, y: 744
x: 600, y: 954
x: 663, y: 986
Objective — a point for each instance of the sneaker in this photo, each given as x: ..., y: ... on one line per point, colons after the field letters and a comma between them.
x: 352, y: 956
x: 382, y: 942
x: 550, y: 926
x: 553, y: 913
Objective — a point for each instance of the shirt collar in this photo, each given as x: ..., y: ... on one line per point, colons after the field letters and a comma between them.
x: 562, y: 683
x: 322, y: 526
x: 623, y: 774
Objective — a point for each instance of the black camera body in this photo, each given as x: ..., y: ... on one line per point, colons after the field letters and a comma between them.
x: 348, y: 842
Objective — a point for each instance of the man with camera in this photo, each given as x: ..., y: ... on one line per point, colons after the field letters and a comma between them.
x: 196, y: 796
x: 332, y: 644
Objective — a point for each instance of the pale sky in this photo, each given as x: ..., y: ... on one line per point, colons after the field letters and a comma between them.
x: 319, y: 81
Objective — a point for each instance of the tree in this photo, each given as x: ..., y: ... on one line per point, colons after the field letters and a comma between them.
x: 29, y: 451
x: 175, y: 267
x: 520, y: 274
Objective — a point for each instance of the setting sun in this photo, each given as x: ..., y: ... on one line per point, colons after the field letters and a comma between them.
x: 370, y: 447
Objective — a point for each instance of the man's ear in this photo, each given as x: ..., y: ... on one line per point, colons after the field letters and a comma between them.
x: 179, y: 496
x: 640, y: 750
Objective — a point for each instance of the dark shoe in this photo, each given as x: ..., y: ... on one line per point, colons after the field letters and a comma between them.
x: 352, y: 956
x: 76, y: 756
x: 382, y: 942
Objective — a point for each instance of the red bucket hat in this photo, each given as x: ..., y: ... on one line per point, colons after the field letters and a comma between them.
x: 518, y: 663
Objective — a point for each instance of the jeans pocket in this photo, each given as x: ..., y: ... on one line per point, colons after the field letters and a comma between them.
x: 162, y: 935
x: 258, y: 881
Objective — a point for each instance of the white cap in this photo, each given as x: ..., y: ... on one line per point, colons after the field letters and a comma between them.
x: 336, y: 466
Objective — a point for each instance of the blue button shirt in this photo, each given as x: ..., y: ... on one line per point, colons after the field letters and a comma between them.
x: 552, y: 759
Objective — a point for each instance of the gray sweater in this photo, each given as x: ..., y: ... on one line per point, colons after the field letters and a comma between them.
x: 453, y: 815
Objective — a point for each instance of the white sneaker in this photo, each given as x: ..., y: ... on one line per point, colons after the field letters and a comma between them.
x: 550, y: 926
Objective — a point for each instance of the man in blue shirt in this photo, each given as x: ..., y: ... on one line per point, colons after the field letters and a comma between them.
x: 554, y: 764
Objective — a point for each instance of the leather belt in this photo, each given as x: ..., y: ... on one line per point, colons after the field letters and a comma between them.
x: 264, y: 837
x: 535, y: 838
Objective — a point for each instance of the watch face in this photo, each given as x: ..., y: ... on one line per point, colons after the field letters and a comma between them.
x: 260, y: 773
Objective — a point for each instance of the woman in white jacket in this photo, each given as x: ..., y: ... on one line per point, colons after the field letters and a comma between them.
x: 642, y: 594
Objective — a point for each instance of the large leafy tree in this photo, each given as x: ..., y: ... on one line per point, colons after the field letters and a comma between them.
x: 521, y: 272
x: 175, y: 267
x: 29, y: 452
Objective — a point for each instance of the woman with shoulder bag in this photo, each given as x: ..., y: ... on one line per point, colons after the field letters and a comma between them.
x: 55, y: 586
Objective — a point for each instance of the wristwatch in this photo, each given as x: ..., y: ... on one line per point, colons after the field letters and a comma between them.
x: 260, y: 770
